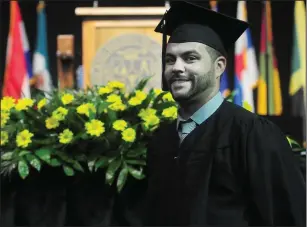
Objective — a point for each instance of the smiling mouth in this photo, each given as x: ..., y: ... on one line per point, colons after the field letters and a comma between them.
x: 181, y: 80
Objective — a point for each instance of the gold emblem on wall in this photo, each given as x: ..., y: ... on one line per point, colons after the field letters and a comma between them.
x: 128, y: 58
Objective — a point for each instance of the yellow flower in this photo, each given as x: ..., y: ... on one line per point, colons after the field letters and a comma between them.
x: 5, y: 116
x: 120, y: 125
x: 113, y: 98
x: 86, y: 108
x: 4, y: 138
x: 151, y: 120
x: 157, y: 91
x: 23, y: 138
x: 42, y: 103
x: 129, y: 135
x: 247, y: 106
x: 66, y: 136
x: 134, y: 101
x: 104, y: 90
x: 95, y: 127
x: 24, y: 104
x: 82, y: 109
x: 60, y: 113
x: 147, y: 112
x: 138, y: 98
x: 7, y: 103
x: 67, y: 99
x: 116, y: 84
x: 140, y: 95
x: 117, y: 106
x: 168, y: 97
x: 52, y: 122
x: 170, y: 112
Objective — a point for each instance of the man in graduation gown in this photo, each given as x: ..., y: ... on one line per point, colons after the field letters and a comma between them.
x: 218, y: 164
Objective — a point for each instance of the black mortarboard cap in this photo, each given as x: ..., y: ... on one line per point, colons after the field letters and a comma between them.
x: 188, y: 22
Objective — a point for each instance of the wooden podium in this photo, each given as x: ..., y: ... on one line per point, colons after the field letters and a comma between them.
x: 119, y: 43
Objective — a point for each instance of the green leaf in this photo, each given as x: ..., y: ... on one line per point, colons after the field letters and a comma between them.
x: 34, y: 161
x: 81, y: 157
x: 293, y: 142
x: 54, y: 162
x: 164, y: 105
x: 7, y: 156
x: 43, y: 154
x: 101, y: 163
x: 122, y: 178
x: 112, y: 115
x: 23, y: 169
x: 48, y: 141
x: 111, y: 171
x: 85, y: 136
x: 65, y: 157
x: 22, y: 153
x: 141, y: 85
x: 20, y: 115
x: 91, y: 165
x: 136, y: 152
x: 158, y: 98
x: 91, y: 115
x: 68, y: 170
x: 136, y: 162
x: 138, y: 174
x: 102, y: 106
x: 148, y: 99
x: 78, y: 166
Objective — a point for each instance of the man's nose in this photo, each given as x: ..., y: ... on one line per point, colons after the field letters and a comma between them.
x: 178, y: 66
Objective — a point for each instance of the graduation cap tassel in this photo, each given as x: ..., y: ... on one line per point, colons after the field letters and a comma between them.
x: 164, y: 43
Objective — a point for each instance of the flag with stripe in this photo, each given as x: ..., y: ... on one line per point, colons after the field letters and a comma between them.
x: 297, y: 88
x: 224, y: 86
x: 269, y: 99
x: 42, y: 78
x: 18, y: 69
x: 246, y: 69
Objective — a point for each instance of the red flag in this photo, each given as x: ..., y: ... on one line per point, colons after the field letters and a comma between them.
x: 16, y: 79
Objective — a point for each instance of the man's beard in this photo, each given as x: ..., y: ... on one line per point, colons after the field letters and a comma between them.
x: 198, y: 87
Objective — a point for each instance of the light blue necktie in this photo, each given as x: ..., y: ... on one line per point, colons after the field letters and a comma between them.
x: 185, y: 127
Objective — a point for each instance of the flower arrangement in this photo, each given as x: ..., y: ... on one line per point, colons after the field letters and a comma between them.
x: 103, y: 127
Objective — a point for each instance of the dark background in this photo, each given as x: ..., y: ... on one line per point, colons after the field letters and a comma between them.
x: 61, y: 19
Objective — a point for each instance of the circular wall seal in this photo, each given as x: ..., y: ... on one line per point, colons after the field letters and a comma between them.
x: 128, y: 58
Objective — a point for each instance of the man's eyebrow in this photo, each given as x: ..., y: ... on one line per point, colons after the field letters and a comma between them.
x: 190, y: 52
x: 169, y: 55
x: 183, y: 53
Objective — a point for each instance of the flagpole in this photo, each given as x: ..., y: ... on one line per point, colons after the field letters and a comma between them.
x: 266, y: 56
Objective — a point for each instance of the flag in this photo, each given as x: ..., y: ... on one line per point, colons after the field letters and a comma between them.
x: 297, y: 88
x: 42, y: 78
x: 246, y: 69
x: 18, y: 66
x: 269, y: 100
x: 224, y: 86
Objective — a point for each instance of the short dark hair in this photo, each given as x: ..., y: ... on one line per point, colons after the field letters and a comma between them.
x: 214, y: 54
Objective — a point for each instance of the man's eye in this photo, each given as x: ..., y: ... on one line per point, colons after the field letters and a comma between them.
x: 191, y: 58
x: 169, y: 60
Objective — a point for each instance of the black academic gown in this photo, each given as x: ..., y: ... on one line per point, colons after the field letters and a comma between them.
x: 236, y: 169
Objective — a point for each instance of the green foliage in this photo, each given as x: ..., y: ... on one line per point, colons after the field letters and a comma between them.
x: 54, y: 130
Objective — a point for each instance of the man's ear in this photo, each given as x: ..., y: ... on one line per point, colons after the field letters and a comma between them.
x: 220, y: 66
